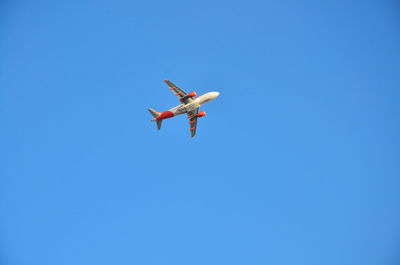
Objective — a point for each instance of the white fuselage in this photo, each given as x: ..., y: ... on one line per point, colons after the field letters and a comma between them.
x: 196, y: 103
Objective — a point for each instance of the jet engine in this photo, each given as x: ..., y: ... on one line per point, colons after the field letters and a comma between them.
x: 192, y: 94
x: 201, y: 114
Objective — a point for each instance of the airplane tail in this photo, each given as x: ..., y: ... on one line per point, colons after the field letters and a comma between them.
x: 155, y: 115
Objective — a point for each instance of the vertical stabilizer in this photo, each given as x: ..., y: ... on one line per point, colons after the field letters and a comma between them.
x: 155, y: 115
x: 159, y: 124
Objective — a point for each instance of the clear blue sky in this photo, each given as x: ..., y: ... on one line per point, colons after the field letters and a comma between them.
x: 297, y: 161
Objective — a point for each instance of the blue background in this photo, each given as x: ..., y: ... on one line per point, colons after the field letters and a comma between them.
x: 296, y: 162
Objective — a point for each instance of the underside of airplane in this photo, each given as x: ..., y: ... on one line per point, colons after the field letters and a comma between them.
x: 190, y: 105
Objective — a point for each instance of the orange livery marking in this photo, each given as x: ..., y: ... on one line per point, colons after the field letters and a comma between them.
x: 165, y: 115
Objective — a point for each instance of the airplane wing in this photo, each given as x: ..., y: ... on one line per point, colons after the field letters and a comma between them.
x: 182, y: 95
x: 192, y: 115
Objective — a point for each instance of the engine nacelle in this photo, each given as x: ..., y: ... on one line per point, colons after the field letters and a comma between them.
x: 201, y: 114
x: 192, y: 94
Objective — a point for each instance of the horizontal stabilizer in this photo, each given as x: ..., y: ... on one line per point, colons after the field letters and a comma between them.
x: 154, y: 113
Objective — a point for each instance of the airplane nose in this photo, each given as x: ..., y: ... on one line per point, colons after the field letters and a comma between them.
x: 216, y: 94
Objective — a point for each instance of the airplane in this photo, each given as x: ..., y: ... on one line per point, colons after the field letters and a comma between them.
x: 190, y: 105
